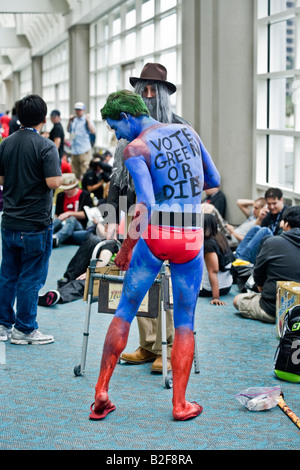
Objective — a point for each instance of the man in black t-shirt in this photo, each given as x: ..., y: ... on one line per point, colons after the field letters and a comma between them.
x: 29, y: 171
x: 217, y: 198
x: 57, y: 134
x: 94, y: 179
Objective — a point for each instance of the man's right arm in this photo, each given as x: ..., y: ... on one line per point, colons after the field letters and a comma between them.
x: 54, y: 182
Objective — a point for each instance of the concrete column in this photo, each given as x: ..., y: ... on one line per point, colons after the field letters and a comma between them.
x: 79, y: 55
x: 37, y: 75
x: 217, y: 88
x: 16, y: 86
x: 190, y: 61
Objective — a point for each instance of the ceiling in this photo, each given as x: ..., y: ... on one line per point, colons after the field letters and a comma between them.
x: 32, y: 27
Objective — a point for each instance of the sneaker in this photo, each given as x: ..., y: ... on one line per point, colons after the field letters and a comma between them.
x: 35, y: 337
x: 5, y: 333
x: 55, y: 241
x: 49, y: 299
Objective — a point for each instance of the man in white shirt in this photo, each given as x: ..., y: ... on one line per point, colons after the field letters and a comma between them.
x: 80, y: 127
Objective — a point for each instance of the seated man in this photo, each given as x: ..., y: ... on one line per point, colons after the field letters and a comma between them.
x: 277, y: 260
x: 270, y: 225
x: 237, y: 234
x: 169, y: 166
x: 70, y: 219
x: 96, y: 177
x: 217, y: 198
x: 233, y: 234
x: 71, y: 286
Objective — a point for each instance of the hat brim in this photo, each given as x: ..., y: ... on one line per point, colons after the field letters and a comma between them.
x: 170, y: 86
x: 68, y: 186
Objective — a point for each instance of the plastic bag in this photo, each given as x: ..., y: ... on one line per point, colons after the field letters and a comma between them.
x: 259, y: 398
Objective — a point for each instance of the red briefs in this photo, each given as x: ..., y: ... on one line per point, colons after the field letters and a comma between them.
x: 176, y: 244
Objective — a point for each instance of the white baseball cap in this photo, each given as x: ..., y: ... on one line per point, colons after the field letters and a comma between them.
x: 79, y: 105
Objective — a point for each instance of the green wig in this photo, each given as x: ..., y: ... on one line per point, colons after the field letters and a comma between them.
x: 124, y: 101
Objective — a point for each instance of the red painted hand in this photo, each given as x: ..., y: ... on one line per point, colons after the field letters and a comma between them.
x: 123, y: 258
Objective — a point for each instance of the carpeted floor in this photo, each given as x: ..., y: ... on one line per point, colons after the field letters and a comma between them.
x: 44, y: 406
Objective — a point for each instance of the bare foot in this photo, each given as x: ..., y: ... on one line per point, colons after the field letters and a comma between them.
x: 190, y: 410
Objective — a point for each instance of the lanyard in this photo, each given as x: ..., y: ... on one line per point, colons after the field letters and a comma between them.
x: 273, y: 225
x: 22, y: 128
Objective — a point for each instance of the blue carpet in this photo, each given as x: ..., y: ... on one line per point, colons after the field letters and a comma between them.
x: 44, y: 406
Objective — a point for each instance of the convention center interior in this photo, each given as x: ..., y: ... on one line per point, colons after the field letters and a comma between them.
x: 150, y: 227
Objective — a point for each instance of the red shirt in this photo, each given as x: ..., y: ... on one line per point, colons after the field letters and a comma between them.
x: 72, y: 203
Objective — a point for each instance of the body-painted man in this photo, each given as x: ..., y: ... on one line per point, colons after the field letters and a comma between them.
x: 170, y: 168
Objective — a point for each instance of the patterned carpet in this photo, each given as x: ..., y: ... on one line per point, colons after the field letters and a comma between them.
x: 44, y: 406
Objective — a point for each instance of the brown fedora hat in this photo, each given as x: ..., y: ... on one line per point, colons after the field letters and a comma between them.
x: 156, y: 72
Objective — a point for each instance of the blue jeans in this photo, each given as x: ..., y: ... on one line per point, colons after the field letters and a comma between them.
x: 250, y: 245
x: 70, y: 231
x: 24, y: 269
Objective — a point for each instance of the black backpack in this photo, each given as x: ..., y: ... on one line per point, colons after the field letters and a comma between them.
x: 287, y: 355
x: 91, y: 136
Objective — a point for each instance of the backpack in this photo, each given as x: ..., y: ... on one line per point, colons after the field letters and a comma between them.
x: 92, y: 136
x: 287, y: 355
x: 242, y: 274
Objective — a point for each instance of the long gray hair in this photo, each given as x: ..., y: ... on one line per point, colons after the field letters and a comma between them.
x: 160, y: 109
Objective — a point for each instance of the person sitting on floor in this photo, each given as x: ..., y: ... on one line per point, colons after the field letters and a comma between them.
x: 70, y: 219
x: 277, y: 260
x: 96, y: 177
x: 217, y: 279
x: 233, y: 234
x: 217, y: 198
x: 71, y: 286
x: 237, y: 234
x: 270, y: 225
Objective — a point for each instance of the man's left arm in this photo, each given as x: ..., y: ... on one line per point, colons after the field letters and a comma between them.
x: 144, y: 200
x: 90, y: 124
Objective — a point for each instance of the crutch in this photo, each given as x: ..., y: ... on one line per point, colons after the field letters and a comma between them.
x: 80, y: 369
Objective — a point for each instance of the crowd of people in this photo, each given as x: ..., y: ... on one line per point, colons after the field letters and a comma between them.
x: 268, y: 240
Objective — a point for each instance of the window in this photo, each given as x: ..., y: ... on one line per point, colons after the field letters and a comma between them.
x: 56, y: 82
x: 125, y: 39
x: 278, y: 95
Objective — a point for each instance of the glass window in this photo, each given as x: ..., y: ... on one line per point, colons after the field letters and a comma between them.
x: 277, y: 94
x: 280, y: 40
x: 277, y: 6
x: 281, y: 104
x: 117, y: 42
x: 116, y: 26
x: 169, y: 60
x: 130, y: 17
x: 281, y: 161
x: 113, y: 80
x: 147, y: 39
x: 102, y: 83
x: 262, y: 8
x: 148, y: 10
x: 167, y: 4
x: 168, y: 31
x: 102, y: 60
x: 130, y: 43
x: 115, y: 52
